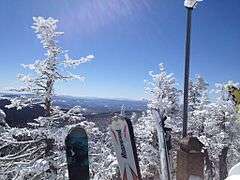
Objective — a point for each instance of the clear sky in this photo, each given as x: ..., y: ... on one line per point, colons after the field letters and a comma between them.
x: 128, y: 38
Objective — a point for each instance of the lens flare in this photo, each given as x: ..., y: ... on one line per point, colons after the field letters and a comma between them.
x: 91, y: 15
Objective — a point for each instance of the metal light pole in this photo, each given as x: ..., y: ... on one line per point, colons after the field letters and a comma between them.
x: 189, y: 4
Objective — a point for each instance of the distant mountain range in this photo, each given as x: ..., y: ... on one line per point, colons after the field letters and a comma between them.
x: 91, y: 104
x: 99, y: 105
x: 95, y: 108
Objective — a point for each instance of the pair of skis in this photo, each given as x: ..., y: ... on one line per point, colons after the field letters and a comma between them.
x: 124, y: 146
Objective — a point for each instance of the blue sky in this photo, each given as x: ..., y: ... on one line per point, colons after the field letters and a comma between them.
x: 128, y: 38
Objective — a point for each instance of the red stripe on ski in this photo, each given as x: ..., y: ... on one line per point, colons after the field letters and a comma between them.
x: 125, y: 174
x: 135, y: 177
x: 115, y: 136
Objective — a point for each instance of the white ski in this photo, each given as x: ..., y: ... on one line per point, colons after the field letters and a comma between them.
x: 163, y: 150
x: 125, y: 148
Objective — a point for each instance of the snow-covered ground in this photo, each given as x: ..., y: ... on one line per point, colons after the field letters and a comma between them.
x: 234, y: 173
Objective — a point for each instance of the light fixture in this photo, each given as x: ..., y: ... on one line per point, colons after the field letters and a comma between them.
x: 191, y: 3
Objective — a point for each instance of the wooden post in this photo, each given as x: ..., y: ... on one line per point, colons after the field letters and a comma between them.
x: 190, y: 159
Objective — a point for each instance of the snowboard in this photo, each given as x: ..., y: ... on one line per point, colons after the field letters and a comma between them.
x: 76, y: 144
x: 165, y: 172
x: 125, y: 147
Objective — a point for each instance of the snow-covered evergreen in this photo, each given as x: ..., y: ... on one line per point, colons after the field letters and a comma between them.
x: 221, y: 132
x: 49, y: 69
x: 162, y: 95
x: 213, y: 118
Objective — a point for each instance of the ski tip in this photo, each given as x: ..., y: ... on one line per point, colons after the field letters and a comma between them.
x: 77, y: 130
x: 116, y: 121
x: 119, y: 120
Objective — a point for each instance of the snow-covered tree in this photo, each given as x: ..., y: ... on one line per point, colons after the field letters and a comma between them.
x: 40, y: 153
x: 162, y: 95
x: 145, y: 133
x: 103, y: 162
x: 48, y: 70
x: 198, y: 101
x: 213, y: 118
x: 36, y: 151
x: 197, y: 89
x: 215, y: 123
x: 221, y: 129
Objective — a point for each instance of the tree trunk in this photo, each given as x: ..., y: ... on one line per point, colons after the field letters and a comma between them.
x: 48, y: 97
x: 209, y: 166
x: 48, y: 107
x: 223, y: 172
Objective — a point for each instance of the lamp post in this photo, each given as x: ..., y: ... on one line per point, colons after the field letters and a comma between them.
x: 189, y: 4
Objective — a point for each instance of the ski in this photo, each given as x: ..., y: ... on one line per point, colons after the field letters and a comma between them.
x: 76, y: 144
x: 125, y: 148
x: 165, y: 172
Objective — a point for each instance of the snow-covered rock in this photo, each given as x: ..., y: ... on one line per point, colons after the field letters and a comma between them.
x: 235, y: 170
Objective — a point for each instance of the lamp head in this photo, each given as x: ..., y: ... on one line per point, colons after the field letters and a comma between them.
x: 191, y: 3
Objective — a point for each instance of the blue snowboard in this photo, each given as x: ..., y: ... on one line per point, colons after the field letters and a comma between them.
x: 77, y: 154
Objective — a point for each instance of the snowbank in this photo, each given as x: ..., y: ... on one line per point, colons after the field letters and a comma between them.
x: 2, y: 116
x: 234, y: 173
x: 234, y: 177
